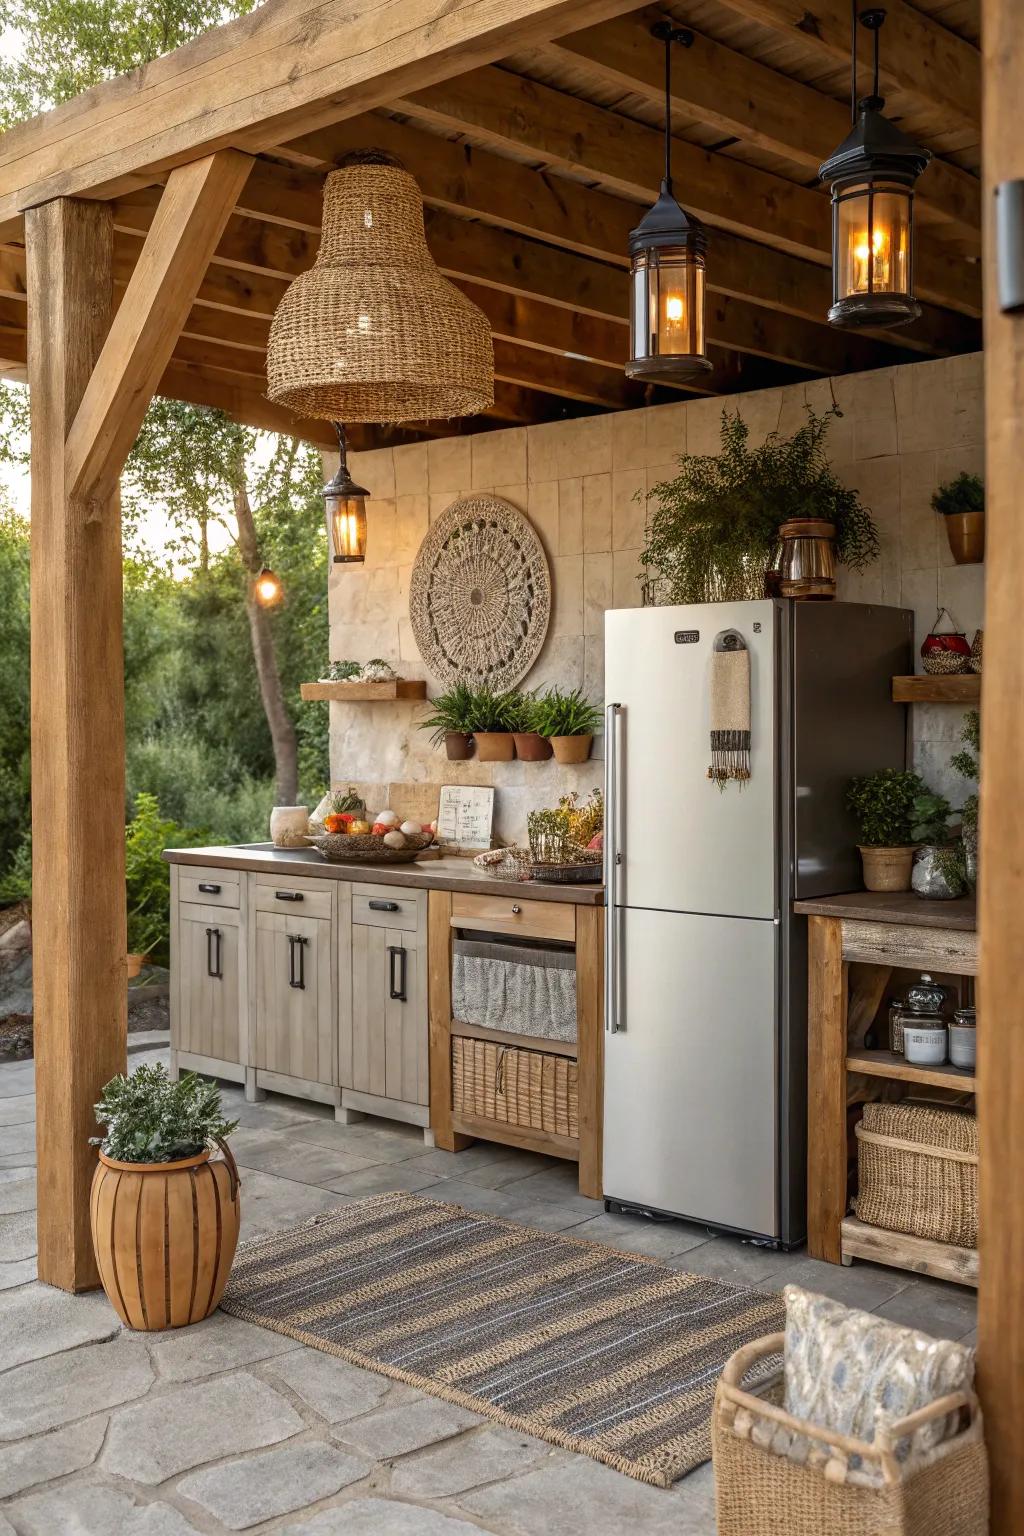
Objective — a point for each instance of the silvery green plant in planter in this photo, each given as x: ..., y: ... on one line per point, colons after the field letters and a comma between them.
x: 938, y: 872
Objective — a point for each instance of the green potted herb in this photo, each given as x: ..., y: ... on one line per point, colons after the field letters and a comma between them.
x: 491, y: 718
x: 449, y: 722
x: 962, y: 505
x: 531, y: 746
x: 883, y: 805
x: 568, y: 720
x: 938, y: 858
x: 164, y: 1216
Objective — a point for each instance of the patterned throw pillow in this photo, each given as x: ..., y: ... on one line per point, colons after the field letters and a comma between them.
x: 855, y: 1373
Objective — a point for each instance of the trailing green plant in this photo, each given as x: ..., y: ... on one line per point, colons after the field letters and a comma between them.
x: 929, y: 819
x: 714, y: 531
x: 149, y: 1119
x: 883, y: 804
x: 967, y: 761
x: 565, y: 713
x: 964, y: 494
x: 490, y: 711
x: 450, y: 711
x: 951, y: 862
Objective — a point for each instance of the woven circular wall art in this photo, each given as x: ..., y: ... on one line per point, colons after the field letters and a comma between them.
x: 480, y: 594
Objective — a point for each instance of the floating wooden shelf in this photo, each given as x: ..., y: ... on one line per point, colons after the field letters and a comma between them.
x: 888, y: 1064
x: 961, y: 688
x: 365, y: 693
x: 919, y: 1254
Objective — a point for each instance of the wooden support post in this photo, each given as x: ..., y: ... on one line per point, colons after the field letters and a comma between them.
x: 78, y: 896
x: 590, y: 1045
x: 826, y: 1106
x: 439, y: 994
x: 1001, y: 1037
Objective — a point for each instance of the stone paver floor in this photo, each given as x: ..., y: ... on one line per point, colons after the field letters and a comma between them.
x: 227, y: 1427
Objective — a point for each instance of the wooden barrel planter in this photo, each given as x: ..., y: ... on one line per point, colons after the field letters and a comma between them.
x: 165, y: 1236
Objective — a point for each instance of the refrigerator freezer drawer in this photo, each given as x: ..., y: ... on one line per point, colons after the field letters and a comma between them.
x: 691, y: 1078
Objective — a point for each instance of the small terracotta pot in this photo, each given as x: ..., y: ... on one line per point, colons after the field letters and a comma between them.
x: 135, y: 964
x: 966, y: 534
x: 494, y: 746
x: 887, y: 869
x: 165, y: 1236
x: 531, y: 747
x: 572, y: 749
x: 458, y: 746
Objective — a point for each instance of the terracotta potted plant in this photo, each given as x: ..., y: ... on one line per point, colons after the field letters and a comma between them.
x: 962, y: 505
x: 568, y: 721
x: 448, y: 722
x: 164, y: 1215
x: 531, y: 746
x: 882, y: 804
x: 492, y: 716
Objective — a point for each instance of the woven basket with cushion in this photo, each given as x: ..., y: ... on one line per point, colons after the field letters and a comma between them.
x: 760, y: 1492
x: 918, y: 1171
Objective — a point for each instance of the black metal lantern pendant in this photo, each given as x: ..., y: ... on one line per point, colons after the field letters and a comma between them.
x: 346, y: 508
x: 666, y: 250
x: 872, y: 175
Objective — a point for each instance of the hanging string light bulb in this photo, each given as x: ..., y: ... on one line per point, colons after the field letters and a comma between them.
x: 872, y: 175
x: 268, y: 588
x: 346, y: 508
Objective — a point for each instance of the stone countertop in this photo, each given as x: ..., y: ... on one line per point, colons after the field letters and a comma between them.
x: 901, y: 907
x: 444, y: 874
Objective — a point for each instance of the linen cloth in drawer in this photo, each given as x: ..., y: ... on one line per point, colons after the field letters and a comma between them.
x: 509, y: 914
x: 285, y: 893
x: 388, y: 906
x: 209, y: 887
x: 523, y: 989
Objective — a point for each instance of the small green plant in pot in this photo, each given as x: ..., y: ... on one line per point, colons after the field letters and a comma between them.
x: 883, y: 804
x: 568, y: 720
x: 531, y: 746
x: 492, y: 719
x: 962, y: 505
x: 449, y: 722
x: 164, y: 1216
x: 938, y: 861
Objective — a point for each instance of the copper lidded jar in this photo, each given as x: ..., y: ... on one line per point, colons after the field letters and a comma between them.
x: 807, y: 564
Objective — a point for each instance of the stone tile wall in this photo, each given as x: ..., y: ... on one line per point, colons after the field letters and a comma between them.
x: 903, y: 431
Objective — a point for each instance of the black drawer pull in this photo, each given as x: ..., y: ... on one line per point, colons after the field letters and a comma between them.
x: 384, y: 906
x: 297, y: 961
x: 289, y: 896
x: 209, y: 888
x: 213, y: 955
x: 396, y: 986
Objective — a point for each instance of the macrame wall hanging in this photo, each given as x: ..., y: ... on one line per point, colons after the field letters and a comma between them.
x: 480, y: 594
x: 730, y: 709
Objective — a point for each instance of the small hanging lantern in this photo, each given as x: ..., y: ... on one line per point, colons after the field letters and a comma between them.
x: 872, y: 174
x: 666, y: 252
x: 346, y: 508
x: 268, y: 588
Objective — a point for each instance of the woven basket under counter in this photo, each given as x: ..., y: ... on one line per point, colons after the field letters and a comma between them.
x: 761, y: 1492
x: 532, y: 1089
x: 918, y: 1171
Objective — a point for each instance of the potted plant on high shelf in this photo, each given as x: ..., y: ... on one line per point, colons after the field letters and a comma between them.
x: 491, y: 717
x: 962, y: 505
x: 449, y: 722
x: 883, y: 804
x: 568, y: 720
x: 747, y: 522
x: 164, y: 1215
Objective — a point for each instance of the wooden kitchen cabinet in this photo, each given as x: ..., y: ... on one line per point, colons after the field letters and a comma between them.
x: 208, y: 1012
x: 291, y: 990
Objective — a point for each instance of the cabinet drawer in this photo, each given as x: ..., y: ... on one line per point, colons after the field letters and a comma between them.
x: 507, y: 914
x: 212, y: 887
x: 387, y: 906
x: 281, y: 893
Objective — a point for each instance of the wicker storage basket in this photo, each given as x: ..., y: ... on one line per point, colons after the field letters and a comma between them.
x: 761, y: 1493
x: 918, y: 1168
x: 529, y: 1088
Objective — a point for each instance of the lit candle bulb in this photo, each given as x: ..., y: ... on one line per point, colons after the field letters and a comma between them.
x: 267, y: 588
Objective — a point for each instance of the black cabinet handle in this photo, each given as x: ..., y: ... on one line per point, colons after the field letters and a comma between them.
x: 213, y: 956
x: 396, y: 988
x: 289, y: 895
x: 384, y: 906
x: 209, y: 888
x: 297, y: 961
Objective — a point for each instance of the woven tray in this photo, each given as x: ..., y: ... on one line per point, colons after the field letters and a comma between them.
x: 504, y: 863
x: 342, y: 848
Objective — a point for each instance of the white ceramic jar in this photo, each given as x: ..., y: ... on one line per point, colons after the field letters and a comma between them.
x: 963, y: 1046
x: 924, y: 1044
x: 289, y: 825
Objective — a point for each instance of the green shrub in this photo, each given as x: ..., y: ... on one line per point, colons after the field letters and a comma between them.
x: 148, y: 877
x: 149, y: 1119
x: 883, y: 806
x: 929, y: 819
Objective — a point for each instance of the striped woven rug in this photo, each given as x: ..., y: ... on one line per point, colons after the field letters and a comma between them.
x: 607, y: 1353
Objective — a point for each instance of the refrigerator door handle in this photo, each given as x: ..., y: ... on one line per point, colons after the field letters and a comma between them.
x: 612, y: 1021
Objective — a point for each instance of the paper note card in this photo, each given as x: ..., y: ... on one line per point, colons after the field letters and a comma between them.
x: 465, y: 815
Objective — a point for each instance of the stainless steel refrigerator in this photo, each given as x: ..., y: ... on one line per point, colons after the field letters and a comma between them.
x: 705, y: 962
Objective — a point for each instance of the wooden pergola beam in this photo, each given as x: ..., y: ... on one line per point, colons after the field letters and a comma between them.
x: 189, y: 221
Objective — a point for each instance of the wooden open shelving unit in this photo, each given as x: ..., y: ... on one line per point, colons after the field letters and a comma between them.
x: 364, y: 693
x: 888, y: 1064
x: 961, y: 688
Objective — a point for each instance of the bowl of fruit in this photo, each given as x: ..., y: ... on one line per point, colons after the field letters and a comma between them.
x: 353, y: 838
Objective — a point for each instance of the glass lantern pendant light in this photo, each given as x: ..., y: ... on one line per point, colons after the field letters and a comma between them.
x: 872, y: 174
x: 346, y: 509
x: 666, y: 250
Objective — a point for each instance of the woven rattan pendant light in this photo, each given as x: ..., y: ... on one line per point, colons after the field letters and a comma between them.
x: 373, y: 332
